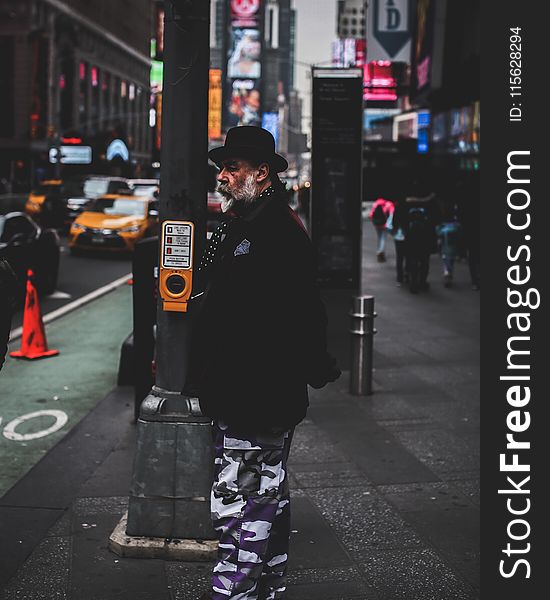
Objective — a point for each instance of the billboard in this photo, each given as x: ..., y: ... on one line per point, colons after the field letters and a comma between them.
x: 244, y: 65
x: 336, y: 163
x: 380, y: 81
x: 270, y: 121
x: 421, y: 63
x: 215, y: 103
x: 245, y: 53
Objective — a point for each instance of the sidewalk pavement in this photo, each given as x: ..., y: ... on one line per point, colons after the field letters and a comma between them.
x: 385, y: 488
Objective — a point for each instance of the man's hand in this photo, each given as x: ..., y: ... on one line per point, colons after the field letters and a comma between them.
x: 330, y: 373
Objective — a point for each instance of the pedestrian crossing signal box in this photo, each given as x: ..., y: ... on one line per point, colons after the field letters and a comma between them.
x: 176, y: 264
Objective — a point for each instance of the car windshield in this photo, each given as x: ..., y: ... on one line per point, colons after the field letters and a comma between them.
x: 119, y: 206
x: 95, y: 187
x: 144, y: 189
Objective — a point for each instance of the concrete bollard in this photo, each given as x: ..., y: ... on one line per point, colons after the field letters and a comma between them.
x: 362, y: 334
x: 172, y: 477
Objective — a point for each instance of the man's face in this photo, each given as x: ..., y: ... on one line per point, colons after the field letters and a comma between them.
x: 237, y: 183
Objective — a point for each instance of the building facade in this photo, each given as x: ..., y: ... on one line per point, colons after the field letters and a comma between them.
x: 74, y: 72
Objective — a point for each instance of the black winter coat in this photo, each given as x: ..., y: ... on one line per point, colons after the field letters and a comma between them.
x: 260, y: 336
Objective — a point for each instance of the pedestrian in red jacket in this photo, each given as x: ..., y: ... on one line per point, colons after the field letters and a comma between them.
x: 379, y: 213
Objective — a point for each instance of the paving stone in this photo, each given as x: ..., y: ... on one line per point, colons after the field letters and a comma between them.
x: 424, y: 496
x: 363, y: 520
x: 331, y: 591
x: 414, y: 575
x: 187, y: 581
x: 376, y: 451
x: 44, y: 576
x: 21, y: 530
x: 313, y: 543
x: 108, y: 505
x: 98, y: 574
x: 454, y: 533
x: 310, y: 444
x: 443, y: 451
x: 63, y: 526
x: 470, y: 488
x: 330, y: 478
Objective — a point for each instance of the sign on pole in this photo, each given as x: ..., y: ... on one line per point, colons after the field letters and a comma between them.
x: 336, y: 163
x: 389, y: 30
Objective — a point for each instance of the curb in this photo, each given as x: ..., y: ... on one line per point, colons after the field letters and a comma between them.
x: 67, y: 308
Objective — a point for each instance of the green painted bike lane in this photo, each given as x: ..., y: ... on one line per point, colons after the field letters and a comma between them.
x: 60, y: 388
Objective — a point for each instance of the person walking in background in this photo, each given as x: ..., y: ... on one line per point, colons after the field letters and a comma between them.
x: 379, y: 213
x: 395, y: 228
x: 449, y: 234
x: 419, y: 218
x: 467, y: 198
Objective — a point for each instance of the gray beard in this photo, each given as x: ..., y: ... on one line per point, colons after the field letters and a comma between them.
x: 247, y: 194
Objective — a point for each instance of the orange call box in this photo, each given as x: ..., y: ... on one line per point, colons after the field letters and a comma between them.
x: 176, y: 264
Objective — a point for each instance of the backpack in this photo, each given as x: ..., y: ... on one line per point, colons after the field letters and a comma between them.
x: 418, y: 225
x: 379, y: 215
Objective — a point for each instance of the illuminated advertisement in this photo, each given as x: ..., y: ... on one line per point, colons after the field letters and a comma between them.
x: 244, y: 13
x: 244, y: 107
x: 245, y: 54
x: 215, y: 103
x: 379, y: 81
x: 421, y: 68
x: 457, y: 131
x: 159, y: 31
x: 270, y: 121
x: 423, y: 132
x: 244, y: 67
x: 158, y: 110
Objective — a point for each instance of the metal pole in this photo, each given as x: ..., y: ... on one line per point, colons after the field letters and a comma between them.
x: 184, y: 159
x: 171, y: 478
x: 362, y: 333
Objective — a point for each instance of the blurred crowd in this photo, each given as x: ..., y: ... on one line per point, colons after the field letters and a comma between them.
x: 423, y: 222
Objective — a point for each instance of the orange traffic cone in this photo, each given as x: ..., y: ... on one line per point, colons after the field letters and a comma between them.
x: 33, y: 340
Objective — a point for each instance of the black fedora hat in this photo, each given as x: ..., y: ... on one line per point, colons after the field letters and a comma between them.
x: 252, y: 142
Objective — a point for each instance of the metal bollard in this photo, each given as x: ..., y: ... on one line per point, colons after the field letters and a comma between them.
x: 362, y: 333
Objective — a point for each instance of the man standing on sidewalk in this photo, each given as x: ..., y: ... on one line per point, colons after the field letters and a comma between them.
x: 259, y: 340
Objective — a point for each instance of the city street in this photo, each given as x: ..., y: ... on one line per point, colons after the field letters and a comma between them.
x: 125, y: 137
x: 385, y: 487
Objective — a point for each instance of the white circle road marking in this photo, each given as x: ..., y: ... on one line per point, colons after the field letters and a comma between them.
x: 60, y: 419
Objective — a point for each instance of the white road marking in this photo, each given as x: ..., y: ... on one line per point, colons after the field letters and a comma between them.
x: 58, y: 295
x: 63, y: 310
x: 60, y: 419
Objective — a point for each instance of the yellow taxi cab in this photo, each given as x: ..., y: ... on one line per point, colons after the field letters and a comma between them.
x: 114, y: 222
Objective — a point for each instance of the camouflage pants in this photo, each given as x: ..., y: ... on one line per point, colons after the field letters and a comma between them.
x: 250, y: 506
